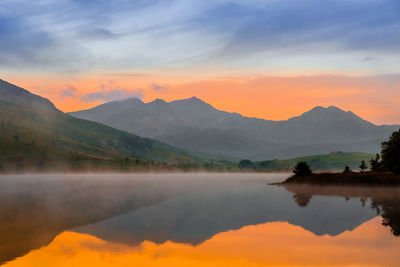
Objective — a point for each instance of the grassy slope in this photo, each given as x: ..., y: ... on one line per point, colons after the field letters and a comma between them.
x: 28, y: 135
x: 31, y: 134
x: 333, y: 161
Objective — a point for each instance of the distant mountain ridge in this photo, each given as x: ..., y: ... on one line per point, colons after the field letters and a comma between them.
x: 196, y: 125
x: 33, y: 131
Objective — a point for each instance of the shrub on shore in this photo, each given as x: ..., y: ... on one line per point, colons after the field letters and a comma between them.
x: 302, y: 169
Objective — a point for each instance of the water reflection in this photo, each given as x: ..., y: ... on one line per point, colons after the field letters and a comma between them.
x: 145, y: 218
x: 197, y: 216
x: 270, y: 244
x: 36, y: 208
x: 385, y: 201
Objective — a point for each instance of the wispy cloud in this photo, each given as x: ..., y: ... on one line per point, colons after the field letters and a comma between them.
x: 123, y: 35
x: 99, y: 34
x: 157, y: 87
x: 370, y: 59
x: 69, y: 91
x: 111, y: 92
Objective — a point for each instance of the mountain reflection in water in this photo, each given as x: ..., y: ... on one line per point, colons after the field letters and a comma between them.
x: 203, y: 219
x: 384, y: 200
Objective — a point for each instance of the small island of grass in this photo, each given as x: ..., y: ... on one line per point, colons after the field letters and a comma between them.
x: 384, y: 170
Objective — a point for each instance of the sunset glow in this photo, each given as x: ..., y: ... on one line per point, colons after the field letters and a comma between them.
x: 265, y: 59
x: 375, y: 98
x: 199, y: 133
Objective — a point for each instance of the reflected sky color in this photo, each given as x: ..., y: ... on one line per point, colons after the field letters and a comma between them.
x: 274, y: 244
x: 83, y: 53
x: 194, y: 220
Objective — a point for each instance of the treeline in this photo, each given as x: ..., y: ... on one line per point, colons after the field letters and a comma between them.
x: 30, y: 157
x: 24, y: 151
x: 82, y: 163
x: 386, y: 161
x: 384, y: 168
x: 331, y: 162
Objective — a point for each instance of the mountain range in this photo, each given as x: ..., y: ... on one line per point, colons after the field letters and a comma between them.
x: 34, y: 132
x: 195, y: 125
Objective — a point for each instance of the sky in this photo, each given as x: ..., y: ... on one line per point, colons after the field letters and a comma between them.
x: 270, y: 59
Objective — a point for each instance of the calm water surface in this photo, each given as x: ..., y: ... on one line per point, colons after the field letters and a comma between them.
x: 194, y: 220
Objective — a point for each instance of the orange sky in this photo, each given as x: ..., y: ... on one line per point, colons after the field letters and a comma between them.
x: 270, y: 244
x: 375, y: 98
x: 79, y: 46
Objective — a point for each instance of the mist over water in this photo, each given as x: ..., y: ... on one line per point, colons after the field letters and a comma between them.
x: 37, y: 212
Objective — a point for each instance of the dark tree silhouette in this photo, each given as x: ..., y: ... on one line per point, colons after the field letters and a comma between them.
x: 391, y: 153
x: 363, y: 166
x: 390, y: 212
x: 376, y: 164
x: 346, y: 169
x: 389, y: 209
x: 302, y: 169
x: 302, y: 200
x: 246, y: 164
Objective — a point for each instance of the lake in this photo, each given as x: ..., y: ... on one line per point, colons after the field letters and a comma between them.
x: 194, y: 220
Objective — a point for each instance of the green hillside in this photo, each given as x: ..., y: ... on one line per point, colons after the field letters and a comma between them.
x: 33, y: 136
x: 332, y: 161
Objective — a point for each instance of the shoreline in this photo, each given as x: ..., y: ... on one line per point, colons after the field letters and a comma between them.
x: 352, y: 178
